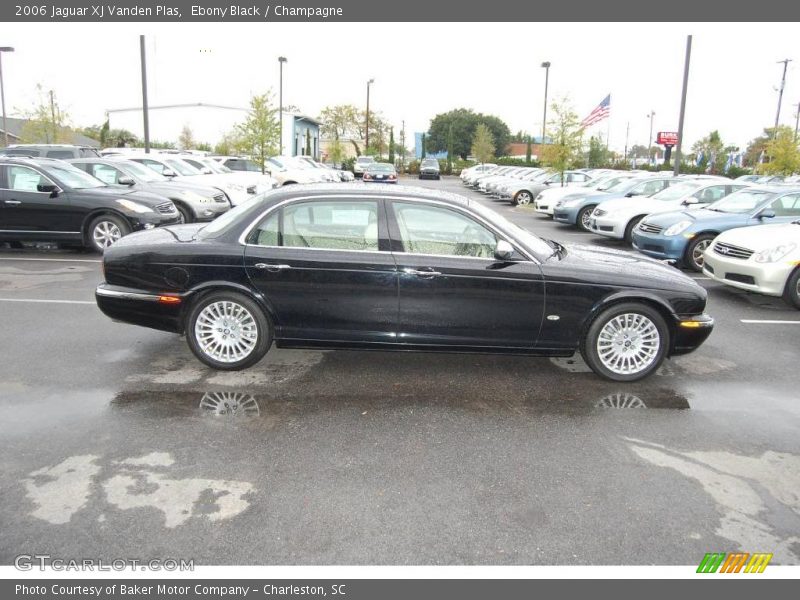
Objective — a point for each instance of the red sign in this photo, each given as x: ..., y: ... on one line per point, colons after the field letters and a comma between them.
x: 667, y: 138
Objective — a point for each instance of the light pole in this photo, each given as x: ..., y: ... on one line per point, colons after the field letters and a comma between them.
x: 3, y: 91
x: 281, y: 60
x: 145, y: 113
x: 796, y: 120
x: 650, y: 139
x: 546, y: 67
x: 785, y: 62
x: 677, y: 168
x: 366, y: 141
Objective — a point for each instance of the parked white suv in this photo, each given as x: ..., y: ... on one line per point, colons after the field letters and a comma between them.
x: 288, y: 170
x: 362, y: 164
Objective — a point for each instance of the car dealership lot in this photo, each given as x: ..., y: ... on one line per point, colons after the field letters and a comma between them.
x: 117, y: 440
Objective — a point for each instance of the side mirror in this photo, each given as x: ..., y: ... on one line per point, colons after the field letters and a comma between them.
x: 631, y: 194
x: 503, y: 250
x: 690, y: 201
x: 126, y: 180
x: 206, y: 171
x: 767, y: 213
x: 48, y: 188
x: 169, y: 173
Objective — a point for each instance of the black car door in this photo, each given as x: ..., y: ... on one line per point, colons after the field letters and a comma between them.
x: 453, y: 292
x: 325, y: 268
x: 25, y: 208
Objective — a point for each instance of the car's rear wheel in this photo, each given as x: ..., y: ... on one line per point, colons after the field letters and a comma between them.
x: 626, y: 342
x: 228, y: 331
x: 523, y: 198
x: 694, y: 251
x: 792, y: 292
x: 584, y: 217
x: 105, y: 230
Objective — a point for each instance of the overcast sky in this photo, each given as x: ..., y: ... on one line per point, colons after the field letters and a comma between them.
x: 493, y: 68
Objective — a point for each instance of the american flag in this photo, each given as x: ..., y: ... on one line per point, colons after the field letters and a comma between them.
x: 602, y: 111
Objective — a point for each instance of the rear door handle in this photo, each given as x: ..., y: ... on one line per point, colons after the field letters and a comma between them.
x: 421, y: 273
x: 14, y: 202
x: 272, y: 268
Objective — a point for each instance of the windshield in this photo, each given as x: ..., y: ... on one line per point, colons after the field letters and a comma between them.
x: 429, y: 162
x: 365, y: 159
x: 140, y: 172
x: 740, y: 202
x: 535, y: 243
x: 620, y: 186
x: 181, y: 167
x: 214, y: 166
x: 74, y: 177
x: 676, y: 192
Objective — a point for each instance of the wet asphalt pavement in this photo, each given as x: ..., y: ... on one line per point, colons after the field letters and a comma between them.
x: 116, y: 442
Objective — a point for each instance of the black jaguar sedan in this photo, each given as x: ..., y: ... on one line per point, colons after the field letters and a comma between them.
x: 45, y: 199
x: 335, y: 266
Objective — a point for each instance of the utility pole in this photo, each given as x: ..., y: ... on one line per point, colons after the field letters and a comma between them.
x: 366, y: 141
x: 546, y: 67
x: 796, y: 120
x: 281, y: 60
x: 627, y: 133
x: 650, y: 139
x: 403, y: 148
x: 3, y: 90
x: 785, y: 62
x: 53, y: 116
x: 145, y: 109
x: 677, y: 168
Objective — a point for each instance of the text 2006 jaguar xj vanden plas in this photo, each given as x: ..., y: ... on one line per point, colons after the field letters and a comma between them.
x: 401, y: 269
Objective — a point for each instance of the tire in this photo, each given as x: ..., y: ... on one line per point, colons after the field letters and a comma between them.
x: 523, y: 198
x: 628, y: 237
x: 791, y: 294
x: 582, y: 222
x: 693, y: 258
x: 647, y: 342
x: 185, y: 212
x: 105, y: 230
x: 237, y: 314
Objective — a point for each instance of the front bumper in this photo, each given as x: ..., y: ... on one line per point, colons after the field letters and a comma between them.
x: 429, y: 174
x: 565, y: 214
x: 660, y: 246
x: 545, y: 207
x: 208, y: 211
x: 763, y: 278
x: 690, y: 333
x: 139, y: 307
x: 150, y: 220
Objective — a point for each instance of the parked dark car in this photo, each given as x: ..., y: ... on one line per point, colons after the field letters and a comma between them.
x: 380, y: 173
x: 354, y: 266
x: 195, y: 202
x: 50, y: 200
x: 429, y: 169
x: 62, y: 151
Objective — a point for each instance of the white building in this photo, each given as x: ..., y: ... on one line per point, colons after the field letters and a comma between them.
x: 208, y: 122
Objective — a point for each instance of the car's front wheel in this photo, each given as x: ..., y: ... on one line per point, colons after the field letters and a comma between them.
x: 585, y: 217
x: 792, y: 292
x: 695, y: 250
x: 105, y: 230
x: 626, y: 342
x: 228, y: 331
x: 523, y: 198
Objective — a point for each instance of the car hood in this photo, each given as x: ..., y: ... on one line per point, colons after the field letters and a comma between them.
x: 617, y: 267
x: 762, y: 237
x: 702, y: 215
x: 639, y: 204
x: 180, y: 184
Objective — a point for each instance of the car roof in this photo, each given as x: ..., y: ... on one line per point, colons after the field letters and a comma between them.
x: 363, y: 189
x: 32, y: 160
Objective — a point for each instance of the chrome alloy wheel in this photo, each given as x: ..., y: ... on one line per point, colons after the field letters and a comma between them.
x: 106, y: 233
x: 586, y: 219
x: 628, y: 344
x: 226, y: 331
x: 699, y: 250
x: 523, y: 198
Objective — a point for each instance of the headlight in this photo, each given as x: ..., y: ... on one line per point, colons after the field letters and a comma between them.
x: 677, y: 228
x: 772, y: 255
x: 540, y: 196
x: 135, y: 206
x: 191, y: 196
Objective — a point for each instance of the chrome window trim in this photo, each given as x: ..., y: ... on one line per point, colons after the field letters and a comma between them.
x: 503, y: 235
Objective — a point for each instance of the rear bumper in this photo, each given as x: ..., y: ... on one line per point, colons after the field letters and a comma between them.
x: 138, y: 307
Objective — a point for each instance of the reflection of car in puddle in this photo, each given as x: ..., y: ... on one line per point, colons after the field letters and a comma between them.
x: 660, y: 399
x: 229, y: 404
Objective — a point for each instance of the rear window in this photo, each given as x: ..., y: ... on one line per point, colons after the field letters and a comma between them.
x: 21, y: 152
x: 60, y: 154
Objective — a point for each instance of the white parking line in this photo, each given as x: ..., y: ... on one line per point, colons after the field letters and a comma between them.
x: 38, y: 301
x: 768, y: 322
x: 51, y: 259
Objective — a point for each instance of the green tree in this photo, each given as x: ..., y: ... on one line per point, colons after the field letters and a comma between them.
x: 258, y: 135
x: 757, y: 146
x: 342, y: 121
x: 186, y: 139
x: 308, y: 142
x: 713, y: 150
x: 47, y: 122
x: 566, y: 137
x: 120, y: 138
x: 598, y: 153
x: 528, y: 149
x: 391, y: 145
x: 423, y: 145
x: 783, y: 152
x: 463, y: 123
x: 335, y: 151
x: 482, y: 144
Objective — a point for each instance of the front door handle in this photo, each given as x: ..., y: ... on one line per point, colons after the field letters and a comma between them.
x: 272, y: 268
x: 422, y: 273
x: 13, y: 202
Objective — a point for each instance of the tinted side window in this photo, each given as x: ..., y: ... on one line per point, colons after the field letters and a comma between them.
x: 435, y: 230
x: 337, y: 225
x: 266, y: 233
x: 60, y: 154
x: 23, y: 179
x: 151, y: 164
x: 106, y: 174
